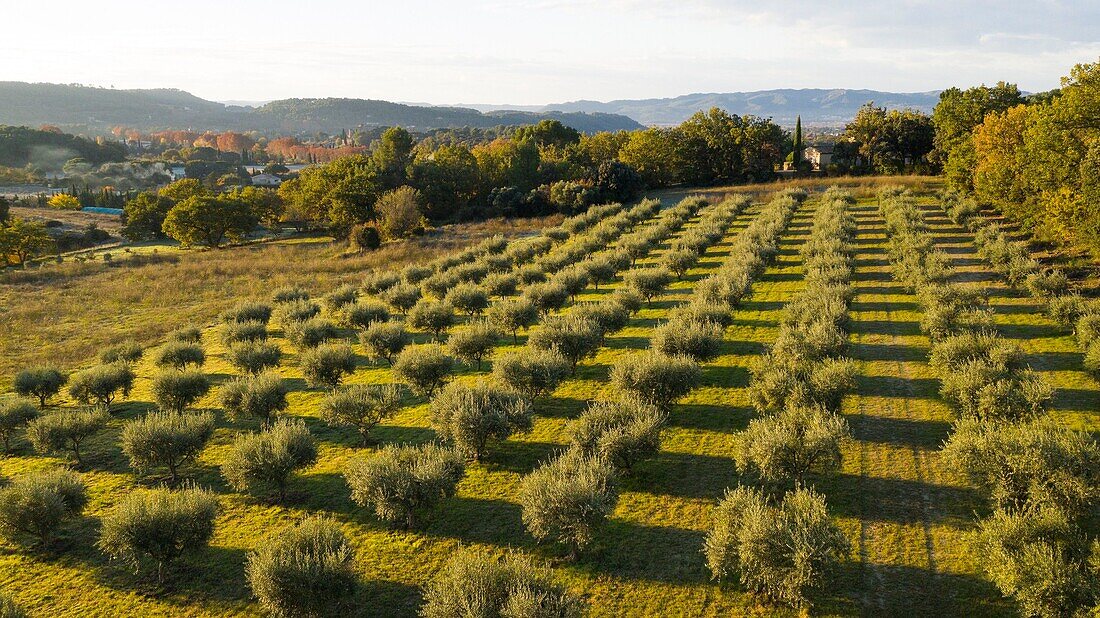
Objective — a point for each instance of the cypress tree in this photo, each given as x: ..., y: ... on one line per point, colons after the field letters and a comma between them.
x: 798, y: 141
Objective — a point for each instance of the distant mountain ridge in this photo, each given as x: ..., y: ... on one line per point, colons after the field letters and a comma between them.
x: 817, y: 106
x: 28, y: 104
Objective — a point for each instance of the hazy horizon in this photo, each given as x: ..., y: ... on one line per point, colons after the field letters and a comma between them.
x: 539, y: 52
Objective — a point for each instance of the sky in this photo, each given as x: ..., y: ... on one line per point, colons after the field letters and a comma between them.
x: 531, y: 52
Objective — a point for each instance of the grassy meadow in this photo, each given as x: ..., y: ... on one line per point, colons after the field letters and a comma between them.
x: 906, y: 515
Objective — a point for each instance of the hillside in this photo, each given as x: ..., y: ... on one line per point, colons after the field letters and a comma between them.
x: 98, y: 109
x: 818, y: 107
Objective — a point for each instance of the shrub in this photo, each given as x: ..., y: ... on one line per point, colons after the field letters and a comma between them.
x: 341, y: 297
x: 159, y: 525
x: 364, y: 313
x: 1041, y: 559
x: 655, y: 378
x: 469, y: 416
x: 175, y: 390
x: 1027, y: 465
x: 1092, y: 360
x: 622, y: 432
x: 65, y: 430
x: 310, y: 333
x: 415, y: 273
x: 469, y: 298
x: 572, y: 336
x: 248, y: 311
x: 125, y: 352
x: 167, y: 440
x: 473, y: 343
x: 326, y: 364
x: 500, y: 285
x: 513, y: 314
x: 704, y: 312
x: 186, y: 334
x: 648, y: 282
x: 782, y: 551
x: 433, y: 317
x: 260, y: 396
x: 254, y: 356
x: 180, y: 355
x: 531, y: 371
x: 268, y: 458
x: 289, y: 294
x: 100, y: 385
x: 364, y: 237
x: 567, y: 499
x: 423, y: 367
x: 398, y: 482
x: 547, y: 297
x: 728, y: 287
x: 293, y: 311
x: 402, y: 297
x: 14, y: 414
x: 786, y: 447
x: 1088, y: 329
x: 37, y: 503
x: 42, y: 382
x: 982, y: 389
x: 361, y: 406
x: 307, y: 570
x: 1048, y: 284
x: 385, y: 340
x: 700, y: 341
x: 474, y: 584
x: 780, y: 382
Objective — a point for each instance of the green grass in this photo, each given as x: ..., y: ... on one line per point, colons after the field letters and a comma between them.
x: 906, y: 516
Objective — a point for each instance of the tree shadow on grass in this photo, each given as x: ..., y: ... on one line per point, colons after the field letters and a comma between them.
x: 214, y: 575
x: 882, y: 305
x: 893, y: 386
x: 1030, y: 331
x: 1076, y: 399
x: 1054, y: 361
x: 902, y: 501
x: 647, y: 553
x: 711, y: 417
x: 892, y: 590
x: 682, y: 475
x: 887, y: 352
x: 478, y: 520
x: 926, y: 434
x: 899, y: 328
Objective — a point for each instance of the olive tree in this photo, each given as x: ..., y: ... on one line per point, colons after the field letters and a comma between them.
x: 782, y: 551
x: 648, y: 282
x: 340, y: 298
x: 36, y: 504
x: 180, y: 355
x: 365, y: 313
x: 15, y: 413
x: 474, y: 343
x: 166, y: 440
x: 500, y: 285
x: 784, y: 448
x: 100, y: 385
x: 310, y: 333
x: 268, y: 458
x: 65, y: 430
x: 399, y: 482
x: 473, y: 583
x: 469, y: 416
x: 254, y: 356
x: 235, y: 332
x: 259, y: 396
x: 656, y: 378
x: 159, y: 526
x: 42, y: 382
x: 531, y: 371
x: 385, y: 340
x: 297, y: 311
x: 1027, y: 465
x: 547, y: 297
x: 468, y: 298
x: 424, y: 368
x: 306, y: 570
x: 289, y: 294
x: 126, y: 352
x: 572, y: 336
x: 1040, y: 558
x: 175, y: 390
x: 431, y: 316
x: 249, y: 311
x: 402, y: 297
x: 568, y: 499
x: 186, y: 334
x: 623, y: 432
x: 514, y: 314
x: 326, y: 364
x: 361, y: 406
x: 700, y: 341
